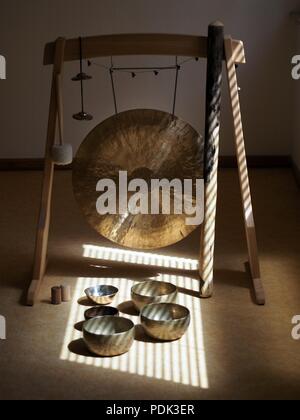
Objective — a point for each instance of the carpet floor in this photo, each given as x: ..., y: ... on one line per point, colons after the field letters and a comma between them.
x: 234, y: 349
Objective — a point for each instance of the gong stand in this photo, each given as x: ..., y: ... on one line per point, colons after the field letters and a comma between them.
x: 216, y: 49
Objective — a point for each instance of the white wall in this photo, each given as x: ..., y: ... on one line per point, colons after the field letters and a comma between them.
x: 267, y: 90
x: 296, y: 88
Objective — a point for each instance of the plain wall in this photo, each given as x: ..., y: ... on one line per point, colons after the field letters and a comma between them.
x: 267, y: 88
x: 296, y: 88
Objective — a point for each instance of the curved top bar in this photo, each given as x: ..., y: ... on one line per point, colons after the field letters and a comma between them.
x: 139, y: 44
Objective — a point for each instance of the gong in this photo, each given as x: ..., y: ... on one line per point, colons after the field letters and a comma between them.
x: 147, y: 144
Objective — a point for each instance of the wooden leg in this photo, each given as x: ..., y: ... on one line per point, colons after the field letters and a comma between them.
x: 215, y: 53
x: 231, y: 58
x: 42, y: 234
x: 41, y: 245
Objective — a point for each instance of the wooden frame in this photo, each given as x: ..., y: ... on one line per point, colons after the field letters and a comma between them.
x: 41, y: 244
x: 231, y: 57
x: 140, y: 44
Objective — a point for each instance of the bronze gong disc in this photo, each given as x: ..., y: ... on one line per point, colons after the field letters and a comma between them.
x: 148, y: 144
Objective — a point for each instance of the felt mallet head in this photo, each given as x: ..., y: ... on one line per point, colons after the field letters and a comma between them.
x: 62, y: 154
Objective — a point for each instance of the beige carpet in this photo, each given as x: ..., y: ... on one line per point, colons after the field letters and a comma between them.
x: 234, y: 349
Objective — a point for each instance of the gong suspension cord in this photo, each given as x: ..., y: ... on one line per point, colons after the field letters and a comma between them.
x: 147, y: 69
x: 141, y: 70
x: 156, y: 70
x: 81, y: 71
x: 176, y: 88
x: 111, y: 72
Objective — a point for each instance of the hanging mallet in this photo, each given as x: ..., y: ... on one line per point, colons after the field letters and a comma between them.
x: 62, y: 154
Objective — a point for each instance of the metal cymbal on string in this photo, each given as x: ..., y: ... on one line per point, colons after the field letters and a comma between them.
x: 83, y: 116
x: 81, y: 76
x: 148, y: 144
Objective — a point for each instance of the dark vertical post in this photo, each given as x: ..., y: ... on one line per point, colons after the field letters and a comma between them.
x: 215, y: 55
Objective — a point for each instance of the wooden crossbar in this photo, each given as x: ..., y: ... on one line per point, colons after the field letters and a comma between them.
x: 139, y: 44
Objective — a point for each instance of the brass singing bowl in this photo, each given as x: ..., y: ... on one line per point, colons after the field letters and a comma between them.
x: 152, y: 291
x: 101, y: 295
x: 165, y: 321
x: 109, y: 335
x: 99, y: 311
x: 149, y: 145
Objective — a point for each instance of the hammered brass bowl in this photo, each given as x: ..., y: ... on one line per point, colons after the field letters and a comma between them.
x: 109, y: 335
x: 165, y: 321
x: 101, y: 295
x: 98, y: 311
x: 152, y: 291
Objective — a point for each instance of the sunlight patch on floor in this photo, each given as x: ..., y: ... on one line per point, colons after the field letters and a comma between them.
x: 183, y: 361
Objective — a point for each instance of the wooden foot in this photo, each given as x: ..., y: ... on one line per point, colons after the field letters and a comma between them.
x: 258, y: 291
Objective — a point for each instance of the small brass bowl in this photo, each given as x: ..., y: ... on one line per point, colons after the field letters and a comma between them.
x: 98, y: 311
x: 165, y: 321
x: 102, y: 295
x: 152, y: 291
x: 109, y: 335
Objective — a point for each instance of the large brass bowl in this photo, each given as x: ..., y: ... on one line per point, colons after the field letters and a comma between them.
x: 165, y: 321
x: 152, y: 291
x: 109, y: 335
x: 147, y: 144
